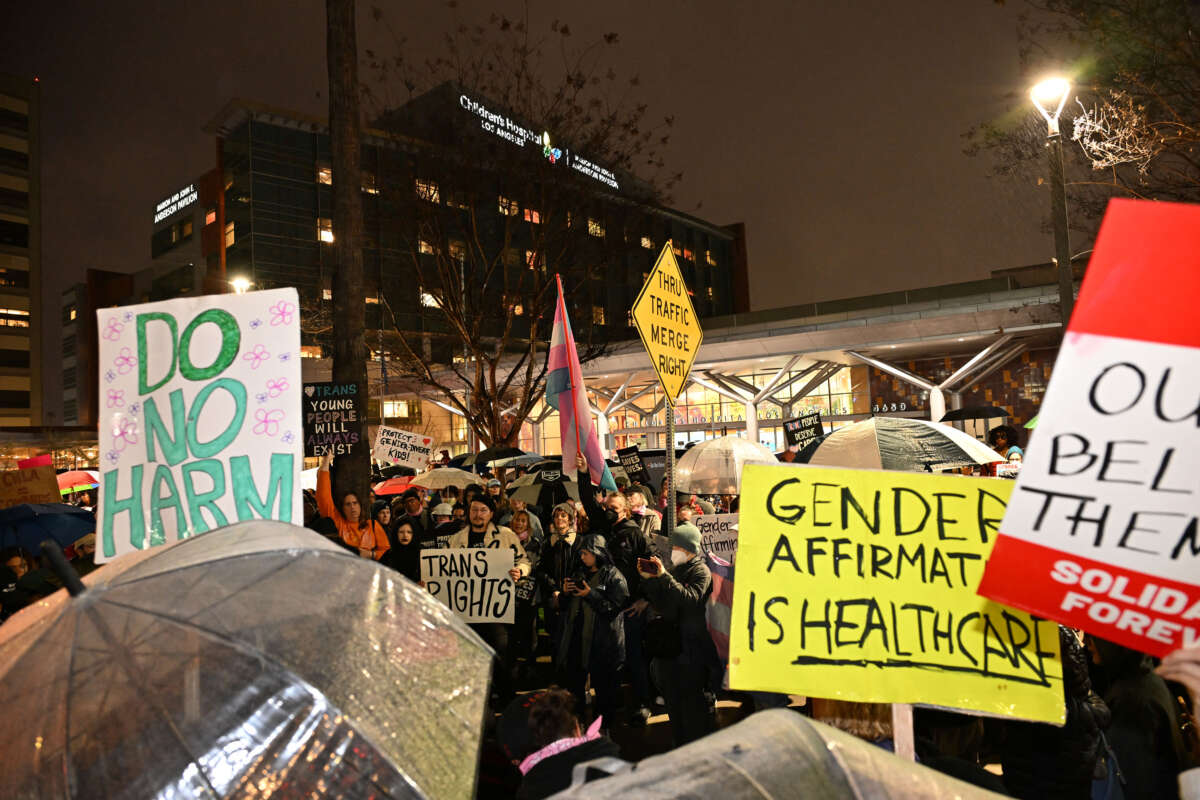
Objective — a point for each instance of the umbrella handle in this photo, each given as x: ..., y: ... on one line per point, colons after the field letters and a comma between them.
x: 62, y: 568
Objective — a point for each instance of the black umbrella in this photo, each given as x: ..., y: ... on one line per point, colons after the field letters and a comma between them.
x: 545, y: 485
x: 493, y: 453
x: 974, y: 412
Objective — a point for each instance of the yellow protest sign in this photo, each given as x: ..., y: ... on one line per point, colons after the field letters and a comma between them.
x: 666, y: 321
x: 860, y: 585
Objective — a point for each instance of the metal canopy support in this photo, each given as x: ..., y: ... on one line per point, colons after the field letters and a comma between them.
x: 975, y: 361
x: 770, y: 387
x: 609, y: 408
x: 804, y: 373
x: 828, y: 370
x: 628, y: 401
x: 995, y: 364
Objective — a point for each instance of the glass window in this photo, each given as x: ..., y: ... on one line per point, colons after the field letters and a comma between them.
x: 424, y: 247
x: 457, y: 200
x: 533, y: 259
x: 428, y: 300
x: 327, y: 294
x: 393, y: 409
x: 709, y: 291
x: 368, y: 183
x: 325, y: 174
x: 688, y: 255
x: 210, y: 216
x: 597, y: 315
x: 533, y: 215
x: 428, y: 190
x: 458, y: 251
x: 229, y: 237
x: 310, y: 351
x: 647, y: 243
x: 509, y: 207
x: 372, y: 300
x: 185, y: 229
x: 325, y: 229
x: 595, y: 228
x: 708, y: 256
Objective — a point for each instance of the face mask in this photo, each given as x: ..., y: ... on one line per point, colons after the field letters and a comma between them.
x: 611, y: 516
x: 679, y: 557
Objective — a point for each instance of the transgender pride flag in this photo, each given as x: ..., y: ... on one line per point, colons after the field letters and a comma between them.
x: 566, y: 394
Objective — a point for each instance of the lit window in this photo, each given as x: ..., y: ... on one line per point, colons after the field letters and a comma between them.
x: 597, y: 315
x: 325, y: 174
x: 395, y: 408
x: 457, y: 200
x: 368, y: 183
x: 327, y: 294
x: 533, y: 259
x: 185, y: 229
x: 509, y: 208
x: 647, y: 243
x: 688, y: 255
x: 428, y: 300
x: 708, y: 256
x: 428, y: 190
x: 424, y: 247
x: 709, y: 292
x: 570, y: 219
x: 595, y: 228
x: 210, y: 217
x: 677, y: 249
x: 174, y: 233
x: 72, y: 313
x: 518, y: 309
x: 325, y: 229
x: 533, y: 215
x: 458, y: 251
x: 372, y: 300
x: 229, y: 237
x: 310, y: 351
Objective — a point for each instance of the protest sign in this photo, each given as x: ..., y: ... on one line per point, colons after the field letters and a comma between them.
x: 200, y: 407
x: 396, y: 447
x: 860, y: 585
x: 329, y: 408
x: 803, y: 429
x: 29, y: 485
x: 718, y: 534
x: 655, y: 462
x: 472, y: 581
x: 631, y: 460
x: 1102, y: 530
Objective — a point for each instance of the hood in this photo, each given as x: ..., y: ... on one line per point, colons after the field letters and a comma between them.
x: 596, y: 544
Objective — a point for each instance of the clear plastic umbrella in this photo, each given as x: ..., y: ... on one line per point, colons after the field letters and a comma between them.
x: 442, y: 477
x: 253, y: 660
x: 913, y: 445
x: 715, y: 466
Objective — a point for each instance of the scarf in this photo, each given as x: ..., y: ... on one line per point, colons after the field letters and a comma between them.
x: 554, y: 748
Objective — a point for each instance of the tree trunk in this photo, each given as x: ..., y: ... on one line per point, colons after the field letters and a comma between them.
x: 353, y: 472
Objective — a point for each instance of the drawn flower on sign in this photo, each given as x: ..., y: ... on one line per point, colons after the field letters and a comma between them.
x: 113, y: 456
x: 116, y: 398
x: 125, y: 361
x: 288, y: 437
x: 285, y: 356
x: 267, y: 422
x: 134, y: 408
x: 110, y: 376
x: 277, y: 386
x: 282, y: 313
x: 124, y: 433
x: 255, y: 324
x: 257, y: 356
x: 112, y: 331
x: 127, y: 316
x: 260, y: 398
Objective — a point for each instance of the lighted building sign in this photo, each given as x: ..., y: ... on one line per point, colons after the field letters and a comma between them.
x: 175, y: 203
x: 505, y: 127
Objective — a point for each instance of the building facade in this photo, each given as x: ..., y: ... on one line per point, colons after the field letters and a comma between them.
x: 20, y: 254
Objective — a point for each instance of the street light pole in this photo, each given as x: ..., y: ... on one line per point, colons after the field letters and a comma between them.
x: 1047, y: 95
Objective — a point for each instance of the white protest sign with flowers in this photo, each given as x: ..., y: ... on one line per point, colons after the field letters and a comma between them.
x: 200, y: 417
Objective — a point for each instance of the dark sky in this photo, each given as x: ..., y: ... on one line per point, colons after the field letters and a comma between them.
x: 833, y: 130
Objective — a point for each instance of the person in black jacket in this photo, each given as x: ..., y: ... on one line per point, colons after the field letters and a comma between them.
x: 685, y: 659
x: 593, y: 638
x: 1042, y: 760
x: 559, y: 560
x: 404, y: 555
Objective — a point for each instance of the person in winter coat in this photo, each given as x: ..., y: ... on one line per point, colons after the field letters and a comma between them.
x: 1183, y: 667
x: 544, y: 740
x: 404, y: 555
x: 1145, y: 731
x: 516, y: 504
x: 593, y: 640
x: 684, y: 657
x: 528, y: 597
x: 1042, y: 760
x: 445, y: 525
x: 559, y: 560
x: 415, y: 512
x: 354, y: 528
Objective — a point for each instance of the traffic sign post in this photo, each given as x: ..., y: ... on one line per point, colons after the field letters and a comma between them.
x: 666, y: 320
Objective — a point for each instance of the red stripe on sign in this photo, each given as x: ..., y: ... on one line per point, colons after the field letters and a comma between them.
x: 1144, y: 276
x: 1153, y: 615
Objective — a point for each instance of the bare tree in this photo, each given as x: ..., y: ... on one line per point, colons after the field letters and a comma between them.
x: 349, y: 299
x: 533, y: 179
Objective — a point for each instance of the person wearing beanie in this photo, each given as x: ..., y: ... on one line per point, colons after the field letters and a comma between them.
x: 559, y: 560
x: 684, y: 660
x: 445, y: 525
x: 414, y: 512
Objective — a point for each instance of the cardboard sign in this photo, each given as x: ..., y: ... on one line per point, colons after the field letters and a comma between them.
x: 29, y: 485
x: 719, y: 534
x: 667, y: 322
x: 200, y: 417
x: 860, y: 585
x: 329, y: 408
x: 803, y: 429
x: 1102, y: 532
x: 473, y: 581
x: 396, y: 447
x: 631, y: 460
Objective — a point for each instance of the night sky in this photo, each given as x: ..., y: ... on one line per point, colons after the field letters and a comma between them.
x: 833, y: 130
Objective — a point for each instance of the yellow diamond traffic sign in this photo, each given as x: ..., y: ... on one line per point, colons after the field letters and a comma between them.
x: 667, y: 323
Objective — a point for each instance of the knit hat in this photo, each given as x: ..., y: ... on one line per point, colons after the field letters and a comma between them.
x: 410, y: 493
x: 486, y: 500
x: 443, y: 510
x: 566, y: 508
x: 687, y: 536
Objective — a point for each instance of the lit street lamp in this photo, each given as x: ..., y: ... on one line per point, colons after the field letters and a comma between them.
x: 1050, y: 96
x: 240, y: 285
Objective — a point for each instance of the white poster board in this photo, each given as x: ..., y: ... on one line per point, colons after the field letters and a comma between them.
x: 719, y: 534
x: 472, y: 581
x: 200, y: 421
x: 399, y: 448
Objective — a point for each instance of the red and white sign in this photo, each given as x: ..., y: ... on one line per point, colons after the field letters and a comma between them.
x: 1101, y: 531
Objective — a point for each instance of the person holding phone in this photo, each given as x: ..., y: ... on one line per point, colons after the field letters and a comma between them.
x: 685, y: 661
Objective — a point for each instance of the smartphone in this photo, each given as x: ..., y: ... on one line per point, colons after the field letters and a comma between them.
x: 647, y: 565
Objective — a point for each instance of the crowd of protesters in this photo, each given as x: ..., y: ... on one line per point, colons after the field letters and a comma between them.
x: 619, y: 607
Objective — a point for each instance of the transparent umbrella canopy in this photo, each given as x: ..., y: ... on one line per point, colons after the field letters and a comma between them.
x: 713, y: 466
x: 913, y: 445
x: 254, y: 660
x: 442, y: 477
